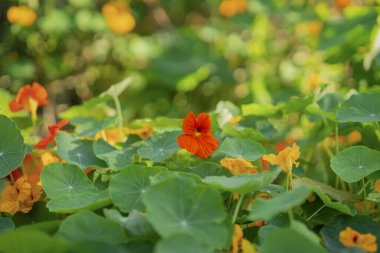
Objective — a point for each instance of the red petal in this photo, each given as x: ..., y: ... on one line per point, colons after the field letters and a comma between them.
x: 39, y: 93
x: 207, y: 144
x: 203, y: 123
x: 43, y: 143
x: 189, y: 123
x: 188, y: 142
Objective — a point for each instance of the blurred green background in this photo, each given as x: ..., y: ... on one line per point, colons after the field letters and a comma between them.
x: 186, y: 55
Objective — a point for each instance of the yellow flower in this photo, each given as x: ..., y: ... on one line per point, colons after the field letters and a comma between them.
x: 48, y: 158
x: 239, y: 244
x: 351, y: 238
x: 143, y: 132
x: 377, y: 185
x: 112, y: 135
x: 19, y: 196
x: 21, y: 15
x: 285, y: 159
x: 118, y: 17
x: 238, y: 166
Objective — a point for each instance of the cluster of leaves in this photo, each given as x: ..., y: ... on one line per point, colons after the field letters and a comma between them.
x: 123, y: 193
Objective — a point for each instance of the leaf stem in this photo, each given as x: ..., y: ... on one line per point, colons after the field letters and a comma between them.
x: 119, y: 112
x: 315, y: 213
x: 237, y: 208
x: 363, y: 188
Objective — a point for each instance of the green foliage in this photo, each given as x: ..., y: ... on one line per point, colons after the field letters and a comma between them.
x: 360, y: 108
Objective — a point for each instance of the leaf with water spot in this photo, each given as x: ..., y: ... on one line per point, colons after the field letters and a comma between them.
x: 179, y: 205
x: 241, y: 148
x: 70, y: 190
x: 77, y: 151
x: 160, y: 146
x: 354, y: 163
x: 12, y: 147
x: 360, y: 108
x: 128, y: 187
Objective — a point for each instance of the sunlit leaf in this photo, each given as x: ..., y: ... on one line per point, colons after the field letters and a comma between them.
x: 240, y: 148
x: 360, y: 108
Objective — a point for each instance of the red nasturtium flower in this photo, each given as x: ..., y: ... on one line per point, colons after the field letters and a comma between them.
x: 53, y: 130
x: 29, y: 98
x: 198, y: 138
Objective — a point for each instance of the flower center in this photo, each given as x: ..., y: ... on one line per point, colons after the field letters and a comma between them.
x: 197, y: 133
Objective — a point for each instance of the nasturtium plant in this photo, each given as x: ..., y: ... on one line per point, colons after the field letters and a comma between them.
x: 116, y: 158
x: 360, y: 108
x: 243, y: 148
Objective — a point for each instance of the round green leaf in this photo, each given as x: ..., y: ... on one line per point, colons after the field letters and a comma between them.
x: 240, y: 148
x: 241, y: 183
x: 128, y: 187
x: 88, y: 226
x: 265, y: 209
x: 360, y: 108
x: 70, y: 190
x: 159, y: 147
x: 78, y: 152
x: 178, y: 205
x: 180, y: 243
x: 362, y: 224
x: 354, y: 163
x: 25, y: 241
x: 289, y: 240
x: 115, y: 158
x: 209, y: 169
x: 12, y: 148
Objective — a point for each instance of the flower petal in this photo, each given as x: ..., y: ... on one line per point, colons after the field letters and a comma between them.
x: 189, y: 123
x: 188, y: 142
x: 207, y: 144
x: 203, y: 123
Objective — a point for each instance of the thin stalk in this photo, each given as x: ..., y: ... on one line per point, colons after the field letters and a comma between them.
x: 315, y: 213
x: 237, y: 208
x: 119, y: 112
x: 363, y: 188
x: 336, y: 138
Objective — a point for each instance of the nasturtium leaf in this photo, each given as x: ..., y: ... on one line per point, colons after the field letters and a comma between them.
x: 95, y: 247
x: 374, y: 196
x: 265, y: 209
x: 286, y: 240
x: 240, y: 148
x: 116, y: 89
x: 165, y: 175
x: 70, y: 190
x: 350, y: 210
x: 116, y: 159
x: 88, y: 226
x: 296, y: 104
x: 77, y: 151
x: 360, y: 108
x: 243, y: 132
x: 209, y: 169
x: 128, y: 187
x: 177, y: 206
x: 360, y: 223
x: 30, y: 241
x: 260, y: 109
x: 89, y: 127
x: 6, y: 224
x: 241, y: 183
x: 92, y: 108
x: 12, y: 147
x: 181, y: 243
x: 356, y: 162
x: 160, y: 146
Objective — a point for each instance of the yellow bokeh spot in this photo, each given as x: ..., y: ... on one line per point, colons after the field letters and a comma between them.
x: 21, y: 15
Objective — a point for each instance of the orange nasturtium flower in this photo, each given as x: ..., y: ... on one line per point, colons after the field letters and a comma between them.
x: 53, y: 130
x: 239, y: 244
x: 143, y: 132
x: 351, y: 238
x: 111, y: 135
x: 285, y: 159
x: 19, y: 196
x: 29, y: 98
x: 118, y: 17
x: 238, y: 166
x: 198, y: 138
x: 229, y: 8
x: 377, y: 185
x: 21, y: 15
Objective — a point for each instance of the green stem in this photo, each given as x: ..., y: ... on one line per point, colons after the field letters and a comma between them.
x: 363, y: 188
x: 119, y: 112
x: 237, y: 208
x: 287, y: 182
x: 315, y: 213
x: 336, y: 138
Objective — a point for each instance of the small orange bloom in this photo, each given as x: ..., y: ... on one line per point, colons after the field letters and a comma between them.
x: 118, y: 17
x: 19, y: 196
x: 29, y: 98
x: 354, y: 137
x: 351, y: 238
x: 377, y: 185
x: 239, y: 244
x: 229, y: 8
x: 21, y: 15
x: 198, y: 138
x: 53, y: 131
x: 238, y: 166
x: 143, y: 132
x: 286, y: 158
x: 111, y: 135
x: 341, y: 4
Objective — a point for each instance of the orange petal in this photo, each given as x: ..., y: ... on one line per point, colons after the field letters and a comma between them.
x: 207, y: 144
x: 203, y: 124
x: 189, y: 123
x: 39, y: 93
x: 189, y: 143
